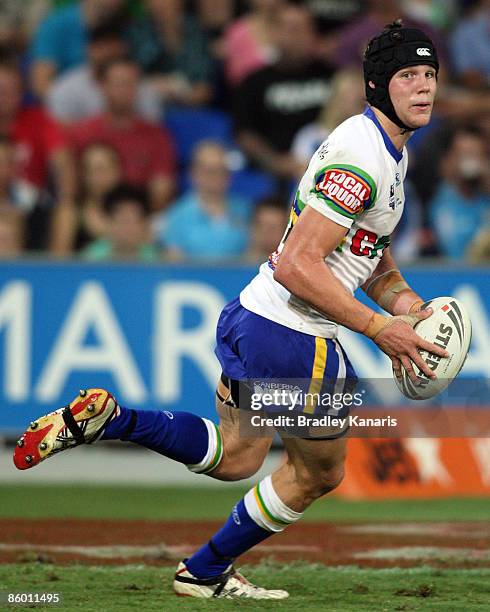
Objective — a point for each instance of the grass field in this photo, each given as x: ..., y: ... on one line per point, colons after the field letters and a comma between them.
x: 311, y: 587
x: 451, y: 578
x: 214, y: 503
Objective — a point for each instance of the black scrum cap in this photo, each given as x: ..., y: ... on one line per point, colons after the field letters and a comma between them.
x: 395, y: 48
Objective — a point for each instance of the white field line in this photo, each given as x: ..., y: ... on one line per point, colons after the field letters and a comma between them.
x: 425, y: 553
x: 162, y: 551
x: 158, y: 551
x: 446, y: 530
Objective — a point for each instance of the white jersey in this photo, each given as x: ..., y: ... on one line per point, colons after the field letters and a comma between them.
x: 355, y: 178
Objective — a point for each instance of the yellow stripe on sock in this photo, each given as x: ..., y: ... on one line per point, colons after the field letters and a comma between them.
x: 259, y: 503
x: 265, y: 512
x: 218, y: 454
x: 319, y: 365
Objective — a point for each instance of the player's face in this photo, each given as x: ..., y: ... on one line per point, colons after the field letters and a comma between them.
x: 412, y: 91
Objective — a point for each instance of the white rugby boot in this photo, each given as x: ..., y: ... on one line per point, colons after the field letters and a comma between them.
x: 81, y: 422
x: 229, y: 585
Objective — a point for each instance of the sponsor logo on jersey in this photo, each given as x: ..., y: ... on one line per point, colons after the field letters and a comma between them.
x: 345, y: 188
x: 424, y: 51
x: 391, y: 203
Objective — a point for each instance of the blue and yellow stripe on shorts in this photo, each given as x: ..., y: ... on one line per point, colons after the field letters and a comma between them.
x: 329, y: 370
x: 252, y: 349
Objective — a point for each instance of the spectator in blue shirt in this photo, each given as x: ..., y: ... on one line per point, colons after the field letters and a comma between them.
x: 461, y: 205
x: 208, y: 222
x: 470, y: 47
x: 60, y: 41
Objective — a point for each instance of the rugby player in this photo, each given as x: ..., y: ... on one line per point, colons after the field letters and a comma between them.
x: 284, y: 324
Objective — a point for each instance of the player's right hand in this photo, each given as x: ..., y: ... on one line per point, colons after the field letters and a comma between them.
x: 402, y: 344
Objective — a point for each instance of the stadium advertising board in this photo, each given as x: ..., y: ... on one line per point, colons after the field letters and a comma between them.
x: 147, y: 333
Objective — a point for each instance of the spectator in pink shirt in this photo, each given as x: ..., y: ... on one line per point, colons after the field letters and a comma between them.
x: 249, y: 41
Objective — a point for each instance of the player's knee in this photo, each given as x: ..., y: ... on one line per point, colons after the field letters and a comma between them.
x: 333, y: 479
x: 320, y: 482
x: 234, y: 468
x: 232, y: 472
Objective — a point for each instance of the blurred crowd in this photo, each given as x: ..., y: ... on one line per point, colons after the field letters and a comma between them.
x: 178, y: 129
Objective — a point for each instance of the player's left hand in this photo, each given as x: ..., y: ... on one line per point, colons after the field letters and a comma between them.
x: 402, y: 344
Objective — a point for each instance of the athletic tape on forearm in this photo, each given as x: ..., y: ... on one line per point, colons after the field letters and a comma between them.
x: 214, y: 453
x: 385, y: 287
x: 266, y: 508
x: 388, y: 289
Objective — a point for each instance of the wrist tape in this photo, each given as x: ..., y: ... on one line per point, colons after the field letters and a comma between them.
x: 378, y: 323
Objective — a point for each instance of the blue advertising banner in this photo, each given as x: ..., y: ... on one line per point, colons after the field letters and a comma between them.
x: 147, y: 333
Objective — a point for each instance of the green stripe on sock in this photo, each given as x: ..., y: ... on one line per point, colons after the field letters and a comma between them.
x: 266, y: 510
x: 217, y: 455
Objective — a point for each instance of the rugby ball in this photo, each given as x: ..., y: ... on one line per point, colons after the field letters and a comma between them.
x: 449, y: 327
